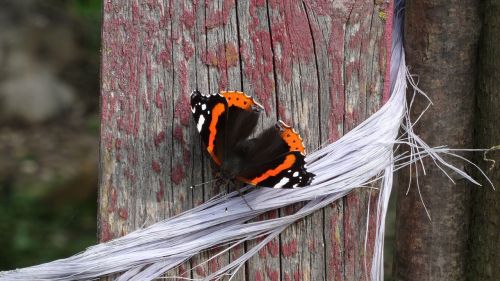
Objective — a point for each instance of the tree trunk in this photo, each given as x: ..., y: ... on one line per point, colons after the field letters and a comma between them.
x: 485, y: 222
x: 441, y: 43
x: 320, y: 67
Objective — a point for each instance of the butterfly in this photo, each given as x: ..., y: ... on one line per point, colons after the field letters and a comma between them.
x: 274, y: 158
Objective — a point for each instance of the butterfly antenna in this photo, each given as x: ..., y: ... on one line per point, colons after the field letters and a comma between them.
x: 195, y: 185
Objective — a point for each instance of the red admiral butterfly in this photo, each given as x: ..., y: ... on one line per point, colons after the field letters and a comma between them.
x: 275, y: 158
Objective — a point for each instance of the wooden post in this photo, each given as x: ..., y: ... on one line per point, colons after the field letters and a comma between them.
x: 320, y: 66
x: 484, y: 247
x: 441, y: 40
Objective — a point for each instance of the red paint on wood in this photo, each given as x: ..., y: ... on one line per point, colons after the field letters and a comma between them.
x: 113, y: 200
x: 158, y: 97
x: 182, y: 271
x: 183, y: 79
x: 186, y: 155
x: 182, y: 109
x: 149, y: 74
x: 105, y: 109
x: 272, y: 215
x: 295, y: 35
x: 312, y: 246
x: 274, y: 247
x: 106, y: 234
x: 232, y: 55
x: 218, y: 18
x: 177, y: 174
x: 159, y: 138
x: 263, y: 252
x: 135, y: 13
x: 107, y: 139
x: 128, y: 174
x: 258, y: 66
x: 287, y: 277
x: 337, y: 99
x: 200, y: 271
x: 272, y: 274
x: 161, y: 193
x: 213, y: 264
x: 188, y: 18
x: 118, y: 144
x: 351, y: 247
x: 335, y: 263
x: 155, y: 166
x: 258, y: 276
x: 389, y: 11
x: 372, y: 220
x: 290, y: 248
x: 289, y: 210
x: 222, y: 57
x: 178, y: 135
x: 238, y: 247
x: 297, y: 275
x: 165, y: 56
x: 123, y: 213
x: 187, y: 49
x: 335, y: 51
x: 108, y: 6
x: 257, y: 3
x: 134, y: 128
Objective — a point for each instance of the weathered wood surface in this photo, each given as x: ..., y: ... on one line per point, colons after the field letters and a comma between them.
x: 318, y: 65
x: 441, y: 40
x: 484, y: 247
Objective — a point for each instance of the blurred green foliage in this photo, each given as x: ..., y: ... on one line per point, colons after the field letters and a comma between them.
x: 35, y: 231
x: 88, y: 13
x: 42, y: 220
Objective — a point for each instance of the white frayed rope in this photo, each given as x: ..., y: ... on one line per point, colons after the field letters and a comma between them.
x: 360, y: 158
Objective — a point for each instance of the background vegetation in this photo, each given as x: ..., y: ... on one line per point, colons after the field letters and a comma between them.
x: 49, y: 89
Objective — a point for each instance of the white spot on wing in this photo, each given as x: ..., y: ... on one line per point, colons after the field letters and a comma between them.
x: 203, y: 106
x: 193, y: 109
x: 295, y: 174
x: 201, y: 120
x: 282, y: 183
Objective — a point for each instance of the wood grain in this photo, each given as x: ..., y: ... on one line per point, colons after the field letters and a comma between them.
x: 484, y: 244
x: 444, y: 56
x: 318, y: 65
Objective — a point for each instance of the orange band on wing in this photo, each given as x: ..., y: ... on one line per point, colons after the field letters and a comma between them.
x: 239, y: 99
x: 292, y: 138
x: 212, y: 129
x: 287, y: 164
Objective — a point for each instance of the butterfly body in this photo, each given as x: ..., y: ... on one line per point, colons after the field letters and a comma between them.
x: 274, y: 158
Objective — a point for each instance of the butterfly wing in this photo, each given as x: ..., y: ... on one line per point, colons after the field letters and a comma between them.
x: 276, y: 159
x: 207, y: 112
x: 223, y: 121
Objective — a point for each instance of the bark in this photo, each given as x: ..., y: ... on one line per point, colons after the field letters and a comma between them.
x: 320, y: 67
x: 485, y: 219
x: 441, y: 41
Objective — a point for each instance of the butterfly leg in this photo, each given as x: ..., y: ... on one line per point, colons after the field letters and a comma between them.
x: 244, y: 199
